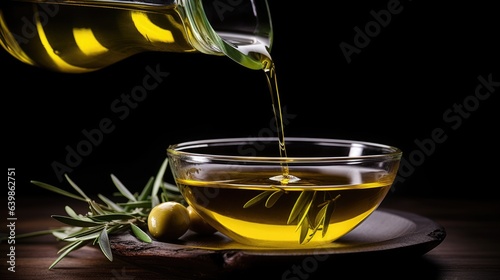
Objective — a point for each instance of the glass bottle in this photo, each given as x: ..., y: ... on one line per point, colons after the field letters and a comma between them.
x: 77, y: 36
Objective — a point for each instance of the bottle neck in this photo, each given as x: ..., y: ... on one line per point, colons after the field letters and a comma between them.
x: 242, y: 32
x: 203, y: 36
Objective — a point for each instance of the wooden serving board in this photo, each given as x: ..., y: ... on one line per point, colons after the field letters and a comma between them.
x: 385, y: 235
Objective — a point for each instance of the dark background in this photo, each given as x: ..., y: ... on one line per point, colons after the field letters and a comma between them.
x: 395, y: 91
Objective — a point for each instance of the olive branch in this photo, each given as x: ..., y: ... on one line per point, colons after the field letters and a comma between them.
x: 107, y: 217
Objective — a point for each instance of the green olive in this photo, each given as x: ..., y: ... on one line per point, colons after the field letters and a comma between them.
x: 168, y: 221
x: 198, y: 224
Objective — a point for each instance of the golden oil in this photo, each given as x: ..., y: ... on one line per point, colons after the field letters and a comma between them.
x: 354, y: 191
x: 78, y: 36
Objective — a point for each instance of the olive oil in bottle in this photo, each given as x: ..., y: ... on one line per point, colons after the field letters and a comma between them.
x: 77, y: 36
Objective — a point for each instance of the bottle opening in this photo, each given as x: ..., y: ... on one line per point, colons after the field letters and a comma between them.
x: 244, y: 27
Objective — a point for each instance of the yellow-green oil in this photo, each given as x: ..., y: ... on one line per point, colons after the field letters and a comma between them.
x: 83, y: 38
x: 356, y: 192
x: 78, y: 36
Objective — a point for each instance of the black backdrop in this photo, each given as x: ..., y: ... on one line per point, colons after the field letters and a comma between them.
x: 398, y: 89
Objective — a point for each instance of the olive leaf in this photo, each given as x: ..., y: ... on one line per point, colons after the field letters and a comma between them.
x: 304, y: 227
x: 140, y: 234
x: 85, y: 233
x: 75, y: 222
x: 146, y: 191
x: 104, y: 244
x: 113, y: 206
x: 320, y: 217
x: 273, y: 198
x: 155, y: 200
x: 157, y: 183
x: 170, y: 187
x: 136, y: 204
x: 75, y: 186
x: 71, y: 212
x: 330, y: 207
x: 112, y: 217
x: 96, y: 208
x: 57, y: 190
x: 122, y: 189
x: 302, y: 202
x: 318, y: 222
x: 62, y: 234
x: 257, y: 198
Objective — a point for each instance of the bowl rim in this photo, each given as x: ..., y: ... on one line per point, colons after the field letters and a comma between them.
x: 387, y: 152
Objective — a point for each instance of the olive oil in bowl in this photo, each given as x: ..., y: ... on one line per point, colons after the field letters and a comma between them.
x: 332, y: 186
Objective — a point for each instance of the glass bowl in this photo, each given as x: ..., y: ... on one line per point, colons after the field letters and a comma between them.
x: 246, y: 189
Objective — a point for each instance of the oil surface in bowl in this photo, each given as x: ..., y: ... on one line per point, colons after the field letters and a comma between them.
x: 250, y: 208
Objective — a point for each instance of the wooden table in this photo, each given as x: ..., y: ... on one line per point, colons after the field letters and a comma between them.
x: 471, y: 249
